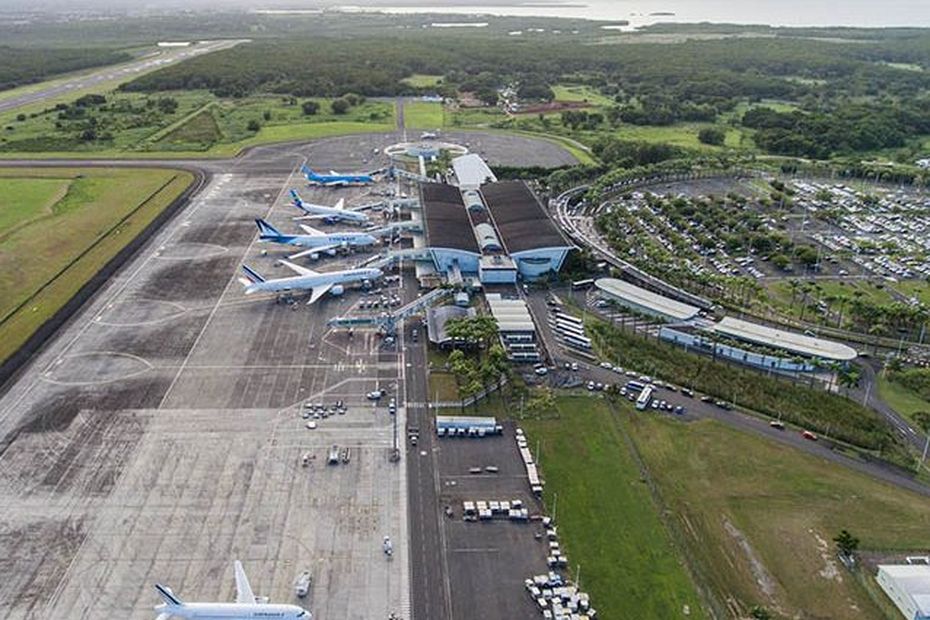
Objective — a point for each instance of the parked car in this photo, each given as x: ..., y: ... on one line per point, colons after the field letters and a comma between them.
x: 778, y: 424
x: 809, y: 435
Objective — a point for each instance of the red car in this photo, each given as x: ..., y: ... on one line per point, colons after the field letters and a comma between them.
x: 809, y: 435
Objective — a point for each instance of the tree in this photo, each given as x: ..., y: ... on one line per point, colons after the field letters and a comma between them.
x: 760, y: 613
x: 846, y: 544
x: 339, y: 106
x: 266, y: 115
x: 712, y: 135
x: 254, y: 125
x: 310, y: 107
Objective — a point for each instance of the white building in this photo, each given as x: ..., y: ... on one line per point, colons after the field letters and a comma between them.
x: 908, y: 587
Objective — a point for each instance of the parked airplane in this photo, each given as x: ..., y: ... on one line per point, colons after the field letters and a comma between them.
x: 316, y: 241
x: 337, y: 213
x: 307, y: 280
x: 247, y: 605
x: 334, y: 179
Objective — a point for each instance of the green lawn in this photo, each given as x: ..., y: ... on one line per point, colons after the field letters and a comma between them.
x: 442, y: 386
x: 572, y: 93
x: 681, y: 134
x: 904, y: 401
x: 608, y: 522
x: 757, y: 517
x: 133, y: 124
x: 423, y: 80
x: 423, y: 115
x: 63, y: 230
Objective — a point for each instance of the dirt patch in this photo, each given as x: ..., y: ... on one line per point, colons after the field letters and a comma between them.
x: 759, y: 573
x: 830, y: 570
x: 232, y: 232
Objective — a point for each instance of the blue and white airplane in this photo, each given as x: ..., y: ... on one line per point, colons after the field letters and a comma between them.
x: 316, y: 241
x: 330, y: 215
x: 307, y: 280
x: 334, y: 179
x: 247, y: 605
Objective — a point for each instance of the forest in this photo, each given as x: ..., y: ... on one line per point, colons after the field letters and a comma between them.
x: 25, y: 66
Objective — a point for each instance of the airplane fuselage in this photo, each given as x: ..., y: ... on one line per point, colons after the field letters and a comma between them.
x: 309, y: 282
x: 316, y: 241
x: 235, y: 611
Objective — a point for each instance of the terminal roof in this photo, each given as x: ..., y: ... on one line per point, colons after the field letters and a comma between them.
x: 522, y: 222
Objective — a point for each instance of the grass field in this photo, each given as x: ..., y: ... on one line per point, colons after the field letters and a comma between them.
x: 66, y: 224
x: 572, y: 93
x: 680, y: 134
x: 423, y: 115
x: 608, y: 522
x: 202, y: 125
x: 757, y: 518
x: 779, y: 296
x: 904, y: 401
x: 423, y: 80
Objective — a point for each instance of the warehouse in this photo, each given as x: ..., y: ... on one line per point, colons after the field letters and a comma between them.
x: 908, y: 587
x: 527, y: 233
x: 644, y: 301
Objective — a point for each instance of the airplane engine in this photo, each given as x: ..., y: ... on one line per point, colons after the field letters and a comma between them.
x: 331, y: 252
x: 337, y: 290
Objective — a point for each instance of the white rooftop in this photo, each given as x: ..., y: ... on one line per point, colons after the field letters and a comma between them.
x: 472, y: 172
x: 510, y: 314
x: 789, y: 341
x: 654, y: 302
x: 913, y: 580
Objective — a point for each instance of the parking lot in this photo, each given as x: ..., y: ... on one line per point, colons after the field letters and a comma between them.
x: 488, y: 559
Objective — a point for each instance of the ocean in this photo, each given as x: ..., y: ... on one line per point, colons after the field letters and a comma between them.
x: 860, y: 13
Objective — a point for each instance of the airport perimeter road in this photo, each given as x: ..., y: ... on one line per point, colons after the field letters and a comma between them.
x: 429, y: 575
x: 123, y: 72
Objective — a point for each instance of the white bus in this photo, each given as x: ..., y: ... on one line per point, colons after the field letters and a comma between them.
x: 645, y: 397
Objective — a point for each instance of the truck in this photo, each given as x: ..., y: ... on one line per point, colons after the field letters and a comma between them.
x: 333, y: 456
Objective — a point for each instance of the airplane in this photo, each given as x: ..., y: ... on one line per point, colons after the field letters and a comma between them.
x: 307, y: 279
x: 247, y: 605
x: 336, y: 213
x: 334, y: 179
x: 317, y: 241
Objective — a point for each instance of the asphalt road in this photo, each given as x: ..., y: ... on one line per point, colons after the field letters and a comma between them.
x: 162, y: 58
x: 744, y: 421
x: 429, y: 578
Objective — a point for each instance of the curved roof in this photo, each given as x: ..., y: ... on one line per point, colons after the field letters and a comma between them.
x: 487, y: 238
x: 653, y: 302
x: 789, y: 341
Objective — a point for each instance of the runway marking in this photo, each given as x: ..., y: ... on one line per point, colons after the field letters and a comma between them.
x: 100, y: 320
x: 47, y: 379
x: 476, y: 550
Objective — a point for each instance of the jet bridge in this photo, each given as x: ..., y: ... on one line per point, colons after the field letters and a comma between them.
x: 387, y: 321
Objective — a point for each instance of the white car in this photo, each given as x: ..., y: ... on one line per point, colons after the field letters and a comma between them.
x: 311, y: 425
x: 607, y: 365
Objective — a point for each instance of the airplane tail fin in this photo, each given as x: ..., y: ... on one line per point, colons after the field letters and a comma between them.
x: 168, y: 596
x: 296, y: 198
x: 307, y: 171
x: 266, y: 229
x: 253, y: 276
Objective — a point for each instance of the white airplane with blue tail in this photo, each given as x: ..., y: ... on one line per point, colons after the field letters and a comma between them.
x: 246, y: 607
x: 337, y: 213
x: 334, y: 179
x: 318, y: 283
x: 316, y: 242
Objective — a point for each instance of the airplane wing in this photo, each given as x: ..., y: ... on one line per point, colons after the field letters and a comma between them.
x: 244, y: 592
x: 318, y: 216
x: 163, y: 616
x: 310, y: 230
x: 318, y: 250
x: 303, y: 271
x: 318, y: 292
x: 340, y: 205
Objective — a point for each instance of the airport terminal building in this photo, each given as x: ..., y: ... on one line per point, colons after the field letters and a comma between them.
x: 497, y: 232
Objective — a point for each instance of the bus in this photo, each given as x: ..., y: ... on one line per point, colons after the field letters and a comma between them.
x: 569, y: 328
x: 580, y: 284
x: 635, y: 386
x: 645, y: 397
x: 578, y: 343
x: 568, y: 318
